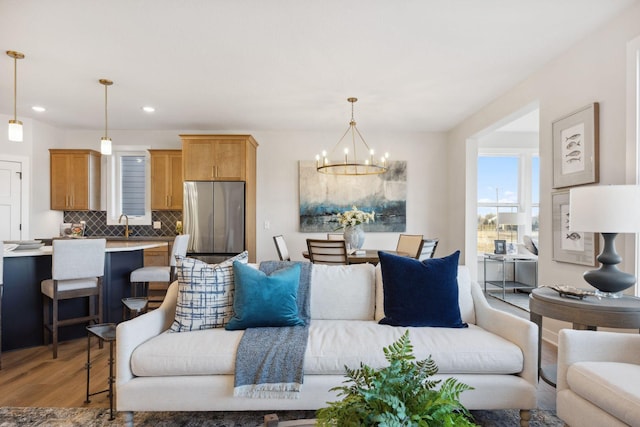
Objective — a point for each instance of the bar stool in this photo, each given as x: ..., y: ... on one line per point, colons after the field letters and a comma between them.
x: 76, y: 272
x: 138, y: 302
x: 104, y: 332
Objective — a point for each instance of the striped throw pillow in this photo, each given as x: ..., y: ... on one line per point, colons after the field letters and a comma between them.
x: 205, y: 293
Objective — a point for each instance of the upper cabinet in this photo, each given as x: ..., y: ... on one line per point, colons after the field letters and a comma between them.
x: 75, y: 179
x: 217, y: 157
x: 166, y: 180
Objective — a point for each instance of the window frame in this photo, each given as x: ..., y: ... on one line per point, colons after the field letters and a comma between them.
x: 525, y: 203
x: 114, y: 201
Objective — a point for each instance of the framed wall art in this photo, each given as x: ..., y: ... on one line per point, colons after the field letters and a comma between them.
x: 323, y: 196
x: 575, y: 148
x: 570, y: 246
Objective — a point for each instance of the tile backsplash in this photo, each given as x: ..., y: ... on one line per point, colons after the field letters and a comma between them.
x: 97, y: 224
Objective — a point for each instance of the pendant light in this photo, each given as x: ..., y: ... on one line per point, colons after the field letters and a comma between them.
x: 351, y: 164
x: 15, y: 125
x: 105, y: 141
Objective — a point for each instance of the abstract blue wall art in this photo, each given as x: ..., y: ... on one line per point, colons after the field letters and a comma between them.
x: 323, y: 196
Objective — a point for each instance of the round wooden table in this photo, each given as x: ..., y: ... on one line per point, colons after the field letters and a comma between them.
x: 588, y: 313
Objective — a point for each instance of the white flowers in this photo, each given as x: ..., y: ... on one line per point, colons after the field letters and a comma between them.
x: 355, y: 217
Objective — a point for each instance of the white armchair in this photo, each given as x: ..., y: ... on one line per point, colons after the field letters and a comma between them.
x: 598, y: 378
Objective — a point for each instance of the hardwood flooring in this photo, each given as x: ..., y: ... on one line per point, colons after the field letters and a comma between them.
x: 31, y: 378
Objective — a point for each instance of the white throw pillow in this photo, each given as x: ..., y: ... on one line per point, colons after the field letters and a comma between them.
x: 205, y: 293
x: 341, y: 292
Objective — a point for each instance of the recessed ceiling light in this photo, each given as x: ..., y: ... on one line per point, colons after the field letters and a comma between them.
x: 38, y: 108
x: 148, y: 109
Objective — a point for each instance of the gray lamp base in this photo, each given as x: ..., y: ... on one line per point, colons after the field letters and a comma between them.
x: 608, y: 280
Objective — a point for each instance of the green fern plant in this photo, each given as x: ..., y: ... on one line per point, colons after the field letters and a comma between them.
x: 401, y: 394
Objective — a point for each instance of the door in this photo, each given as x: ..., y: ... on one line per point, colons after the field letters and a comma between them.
x: 228, y: 217
x: 10, y: 200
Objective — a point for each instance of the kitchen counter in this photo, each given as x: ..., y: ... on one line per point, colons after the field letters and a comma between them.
x: 112, y: 246
x: 22, y: 299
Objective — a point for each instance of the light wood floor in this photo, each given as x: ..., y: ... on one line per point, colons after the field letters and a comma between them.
x: 30, y: 377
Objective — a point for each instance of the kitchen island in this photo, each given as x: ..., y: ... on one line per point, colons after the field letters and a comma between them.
x: 22, y: 299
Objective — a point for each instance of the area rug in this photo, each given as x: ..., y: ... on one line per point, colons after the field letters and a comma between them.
x: 97, y: 417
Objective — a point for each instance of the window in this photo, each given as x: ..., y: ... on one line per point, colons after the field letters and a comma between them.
x: 128, y: 178
x: 508, y: 182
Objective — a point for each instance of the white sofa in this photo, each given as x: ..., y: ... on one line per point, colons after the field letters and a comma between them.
x: 598, y: 378
x: 193, y: 371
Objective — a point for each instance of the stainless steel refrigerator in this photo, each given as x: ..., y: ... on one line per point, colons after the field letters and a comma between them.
x: 214, y: 217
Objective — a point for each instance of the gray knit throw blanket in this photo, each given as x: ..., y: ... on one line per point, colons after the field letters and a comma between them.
x: 270, y: 361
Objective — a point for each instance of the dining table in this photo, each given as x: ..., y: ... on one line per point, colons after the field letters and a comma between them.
x: 364, y: 255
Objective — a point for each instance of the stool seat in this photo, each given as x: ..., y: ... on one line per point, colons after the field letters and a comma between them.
x: 46, y: 286
x: 104, y: 331
x: 151, y: 274
x: 137, y: 304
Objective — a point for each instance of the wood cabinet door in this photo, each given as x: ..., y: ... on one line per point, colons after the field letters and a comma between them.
x: 175, y: 181
x: 198, y: 160
x: 229, y: 160
x: 79, y: 181
x: 166, y: 180
x: 59, y: 182
x: 159, y: 191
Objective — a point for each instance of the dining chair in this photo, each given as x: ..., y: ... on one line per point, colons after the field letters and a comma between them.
x: 410, y: 244
x: 281, y: 247
x: 428, y: 248
x: 77, y: 269
x: 139, y: 301
x: 335, y: 236
x: 333, y: 252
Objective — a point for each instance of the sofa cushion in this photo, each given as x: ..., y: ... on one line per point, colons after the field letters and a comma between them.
x: 343, y: 292
x: 612, y: 386
x: 421, y: 293
x: 465, y: 299
x: 263, y: 300
x: 332, y: 345
x: 205, y: 293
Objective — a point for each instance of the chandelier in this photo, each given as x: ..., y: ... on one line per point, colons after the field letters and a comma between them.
x: 352, y: 165
x: 15, y: 125
x: 105, y: 141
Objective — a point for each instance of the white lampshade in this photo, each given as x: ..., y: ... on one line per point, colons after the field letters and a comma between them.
x: 511, y: 218
x: 605, y: 209
x: 105, y: 146
x: 15, y: 130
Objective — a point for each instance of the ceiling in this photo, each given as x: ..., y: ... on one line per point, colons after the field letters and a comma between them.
x: 258, y: 65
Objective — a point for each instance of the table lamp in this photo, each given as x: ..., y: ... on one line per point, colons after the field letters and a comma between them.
x: 608, y: 210
x: 511, y: 218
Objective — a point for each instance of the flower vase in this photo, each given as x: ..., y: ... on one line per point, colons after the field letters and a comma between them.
x: 354, y: 237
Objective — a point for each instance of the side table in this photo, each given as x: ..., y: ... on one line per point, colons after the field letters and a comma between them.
x: 104, y: 332
x: 513, y: 260
x: 588, y: 313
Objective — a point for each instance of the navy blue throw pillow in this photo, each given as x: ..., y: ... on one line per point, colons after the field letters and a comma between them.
x: 421, y: 293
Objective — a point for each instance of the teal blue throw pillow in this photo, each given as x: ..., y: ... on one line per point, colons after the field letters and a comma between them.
x: 265, y: 300
x: 421, y: 293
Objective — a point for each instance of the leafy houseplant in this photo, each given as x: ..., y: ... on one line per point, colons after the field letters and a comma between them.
x: 400, y: 394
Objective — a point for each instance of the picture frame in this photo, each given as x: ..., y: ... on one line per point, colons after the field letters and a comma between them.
x: 570, y: 246
x: 500, y: 247
x: 576, y: 147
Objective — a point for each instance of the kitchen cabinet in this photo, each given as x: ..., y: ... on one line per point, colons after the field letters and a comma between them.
x: 225, y: 158
x: 216, y: 157
x: 75, y: 179
x: 166, y: 180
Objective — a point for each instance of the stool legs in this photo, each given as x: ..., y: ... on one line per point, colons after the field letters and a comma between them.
x: 111, y: 379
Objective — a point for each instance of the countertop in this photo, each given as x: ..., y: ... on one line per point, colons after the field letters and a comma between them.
x: 112, y: 246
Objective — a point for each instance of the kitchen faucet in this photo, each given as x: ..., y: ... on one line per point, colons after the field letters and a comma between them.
x: 126, y: 225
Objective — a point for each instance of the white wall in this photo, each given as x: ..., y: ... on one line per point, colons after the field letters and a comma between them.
x: 277, y: 171
x: 592, y: 71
